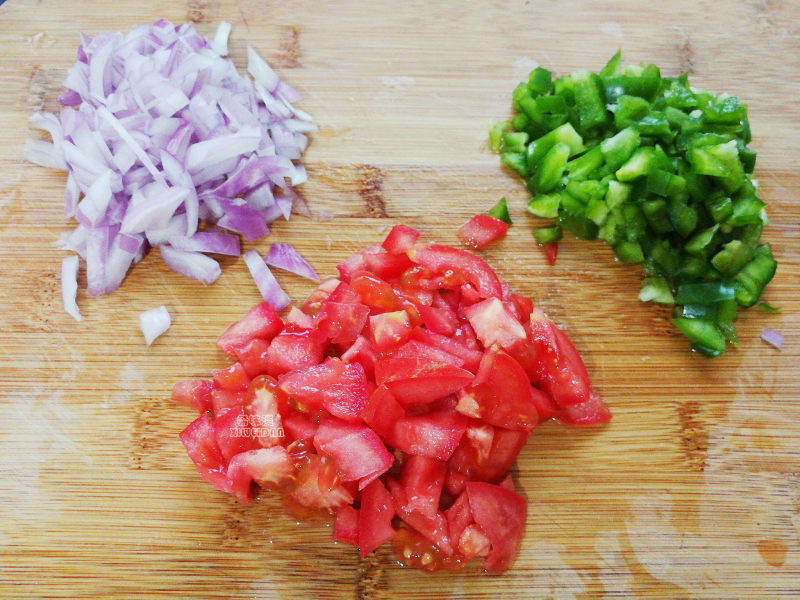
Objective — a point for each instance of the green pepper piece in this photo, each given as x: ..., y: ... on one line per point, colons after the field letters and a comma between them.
x: 720, y: 160
x: 679, y: 95
x: 635, y: 222
x: 500, y: 211
x: 704, y: 292
x: 656, y: 289
x: 655, y: 211
x: 666, y: 256
x: 619, y: 148
x: 638, y: 165
x: 582, y: 227
x: 547, y: 111
x: 564, y: 134
x: 629, y: 110
x: 629, y: 251
x: 514, y: 141
x: 545, y: 205
x: 552, y: 167
x: 597, y: 210
x: 768, y: 308
x: 520, y: 93
x: 682, y: 216
x: 617, y: 193
x: 583, y: 166
x: 540, y: 81
x: 547, y: 235
x: 733, y: 256
x: 589, y: 99
x: 516, y: 162
x: 704, y: 335
x: 745, y: 211
x: 720, y: 208
x: 702, y: 240
x: 751, y: 280
x: 496, y: 130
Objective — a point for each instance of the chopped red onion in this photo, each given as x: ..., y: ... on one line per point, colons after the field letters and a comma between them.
x: 772, y: 337
x: 160, y: 133
x: 284, y: 256
x: 269, y: 287
x: 69, y: 286
x: 154, y: 322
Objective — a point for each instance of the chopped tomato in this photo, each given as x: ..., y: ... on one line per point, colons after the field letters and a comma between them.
x: 317, y: 486
x: 422, y: 479
x: 233, y: 378
x: 253, y: 357
x: 268, y: 467
x: 417, y: 381
x: 500, y: 394
x: 427, y: 353
x: 390, y: 329
x: 400, y: 239
x: 294, y: 348
x: 356, y: 450
x: 426, y: 519
x: 471, y: 357
x: 375, y: 517
x: 382, y: 412
x: 232, y: 432
x: 194, y: 393
x: 435, y: 434
x: 473, y: 542
x: 387, y: 266
x: 316, y: 299
x: 501, y: 515
x: 201, y: 446
x: 345, y: 527
x: 338, y: 387
x: 591, y: 412
x: 375, y: 292
x: 260, y: 322
x: 342, y: 322
x: 494, y: 324
x: 445, y: 259
x: 550, y: 252
x: 363, y: 352
x: 482, y: 230
x: 440, y: 320
x: 523, y: 307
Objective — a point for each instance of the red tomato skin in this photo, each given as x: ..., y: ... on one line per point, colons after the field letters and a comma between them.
x: 232, y: 378
x: 342, y: 322
x: 444, y: 259
x: 523, y: 306
x: 382, y: 412
x: 355, y: 449
x: 440, y: 320
x: 416, y: 381
x: 260, y: 322
x: 400, y: 239
x: 293, y: 349
x: 299, y: 426
x: 338, y: 387
x: 482, y: 230
x: 387, y: 266
x: 222, y: 400
x: 550, y: 252
x: 233, y: 434
x: 375, y: 292
x: 375, y: 518
x: 414, y: 349
x: 546, y: 407
x: 471, y: 356
x: 194, y: 393
x: 500, y: 394
x: 459, y: 516
x: 435, y: 434
x: 201, y: 446
x: 422, y: 479
x: 253, y: 357
x: 363, y: 352
x: 501, y: 514
x: 427, y: 520
x: 592, y: 412
x: 316, y: 299
x: 345, y: 527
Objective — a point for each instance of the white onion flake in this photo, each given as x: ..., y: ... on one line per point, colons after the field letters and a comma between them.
x: 269, y: 287
x: 772, y: 337
x: 166, y: 144
x: 154, y: 322
x: 69, y: 286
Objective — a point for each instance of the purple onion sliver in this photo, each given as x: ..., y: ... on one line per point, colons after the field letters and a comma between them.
x: 191, y: 264
x: 772, y: 337
x: 269, y: 287
x: 130, y: 243
x: 213, y: 242
x: 286, y: 257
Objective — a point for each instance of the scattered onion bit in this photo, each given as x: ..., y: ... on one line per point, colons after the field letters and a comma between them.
x: 772, y: 337
x: 269, y: 287
x: 69, y: 286
x: 153, y: 323
x: 161, y: 137
x: 284, y: 256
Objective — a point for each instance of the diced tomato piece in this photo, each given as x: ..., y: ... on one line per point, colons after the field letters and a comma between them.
x: 473, y: 542
x: 494, y: 324
x: 350, y: 266
x: 435, y: 434
x: 316, y: 485
x: 422, y: 479
x: 427, y: 520
x: 414, y: 349
x: 340, y: 322
x: 591, y: 412
x: 264, y: 409
x: 345, y: 527
x: 201, y: 446
x: 266, y: 466
x: 482, y: 230
x: 233, y: 433
x: 439, y: 320
x: 224, y: 399
x: 472, y: 357
x: 344, y: 294
x: 390, y: 329
x: 550, y: 252
x: 253, y: 357
x: 363, y: 352
x: 316, y: 299
x: 416, y: 381
x: 565, y: 377
x: 500, y: 394
x: 472, y: 459
x: 233, y: 378
x: 455, y: 481
x: 299, y: 426
x: 469, y: 296
x: 523, y: 306
x: 298, y: 318
x: 459, y: 516
x: 400, y: 239
x: 501, y: 515
x: 382, y: 412
x: 465, y: 336
x: 375, y: 292
x: 338, y: 387
x: 508, y: 483
x: 356, y: 450
x: 293, y: 349
x: 441, y: 259
x: 387, y: 266
x: 260, y: 322
x: 546, y: 407
x: 375, y: 517
x: 194, y: 393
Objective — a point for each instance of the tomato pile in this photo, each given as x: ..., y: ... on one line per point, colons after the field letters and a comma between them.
x: 397, y: 398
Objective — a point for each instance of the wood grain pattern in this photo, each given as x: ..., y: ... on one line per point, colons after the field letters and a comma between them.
x: 693, y: 491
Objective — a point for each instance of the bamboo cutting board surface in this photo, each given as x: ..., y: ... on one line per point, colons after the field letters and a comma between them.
x: 692, y: 491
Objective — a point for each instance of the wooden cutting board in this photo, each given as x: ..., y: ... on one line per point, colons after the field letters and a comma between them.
x: 692, y: 491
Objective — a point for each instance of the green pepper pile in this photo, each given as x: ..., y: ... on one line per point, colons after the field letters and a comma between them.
x: 657, y: 169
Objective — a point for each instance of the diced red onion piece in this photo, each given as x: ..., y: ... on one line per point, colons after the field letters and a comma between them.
x: 772, y: 337
x: 261, y: 71
x: 154, y: 322
x: 69, y: 286
x: 269, y: 287
x: 220, y: 42
x: 191, y: 264
x: 286, y: 257
x: 214, y: 242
